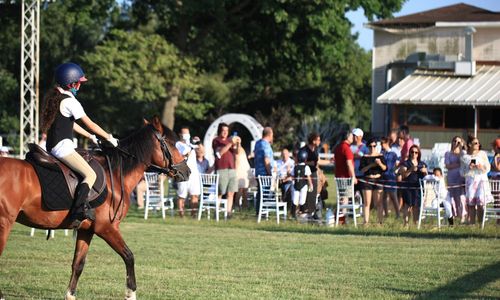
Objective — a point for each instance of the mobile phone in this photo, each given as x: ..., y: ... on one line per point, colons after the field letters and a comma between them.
x: 473, y: 161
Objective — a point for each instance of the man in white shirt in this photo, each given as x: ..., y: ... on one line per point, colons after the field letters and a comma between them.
x: 192, y: 186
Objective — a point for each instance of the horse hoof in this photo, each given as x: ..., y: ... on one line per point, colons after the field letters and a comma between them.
x: 130, y: 295
x: 68, y: 296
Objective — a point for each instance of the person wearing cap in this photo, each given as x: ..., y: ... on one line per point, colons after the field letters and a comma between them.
x: 60, y: 111
x: 358, y: 149
x: 4, y: 151
x: 193, y: 185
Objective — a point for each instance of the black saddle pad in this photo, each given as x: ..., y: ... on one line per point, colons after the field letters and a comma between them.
x: 55, y: 191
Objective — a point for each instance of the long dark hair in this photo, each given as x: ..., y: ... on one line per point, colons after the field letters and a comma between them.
x: 51, y: 104
x: 419, y: 155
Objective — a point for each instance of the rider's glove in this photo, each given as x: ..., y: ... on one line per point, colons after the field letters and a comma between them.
x: 93, y: 138
x: 113, y: 140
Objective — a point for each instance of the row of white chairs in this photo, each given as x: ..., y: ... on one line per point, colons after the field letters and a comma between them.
x: 431, y: 202
x: 157, y: 199
x: 350, y: 204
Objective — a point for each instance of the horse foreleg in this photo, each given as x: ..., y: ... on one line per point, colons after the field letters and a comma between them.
x: 83, y: 240
x: 115, y: 240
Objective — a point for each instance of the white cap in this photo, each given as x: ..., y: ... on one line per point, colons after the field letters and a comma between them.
x: 357, y: 132
x: 4, y: 149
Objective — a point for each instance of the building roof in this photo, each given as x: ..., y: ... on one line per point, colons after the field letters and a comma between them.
x: 454, y: 13
x: 431, y: 87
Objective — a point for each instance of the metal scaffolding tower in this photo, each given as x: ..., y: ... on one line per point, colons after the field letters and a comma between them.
x: 30, y: 37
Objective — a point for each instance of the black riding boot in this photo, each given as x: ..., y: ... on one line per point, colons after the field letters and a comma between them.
x: 81, y: 207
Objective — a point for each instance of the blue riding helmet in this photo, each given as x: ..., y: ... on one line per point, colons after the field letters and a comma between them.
x: 69, y: 73
x: 302, y: 156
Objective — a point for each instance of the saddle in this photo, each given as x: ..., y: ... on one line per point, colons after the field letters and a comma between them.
x: 58, y: 182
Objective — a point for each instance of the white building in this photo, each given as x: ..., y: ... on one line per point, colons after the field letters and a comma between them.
x: 438, y: 72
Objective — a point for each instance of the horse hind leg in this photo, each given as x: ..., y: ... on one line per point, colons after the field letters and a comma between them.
x: 83, y: 240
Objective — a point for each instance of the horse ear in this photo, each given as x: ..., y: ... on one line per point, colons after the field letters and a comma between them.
x: 157, y: 124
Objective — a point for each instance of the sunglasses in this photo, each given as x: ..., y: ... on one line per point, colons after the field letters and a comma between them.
x: 414, y: 152
x: 372, y: 146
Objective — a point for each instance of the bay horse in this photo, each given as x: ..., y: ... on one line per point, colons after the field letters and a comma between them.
x: 21, y: 197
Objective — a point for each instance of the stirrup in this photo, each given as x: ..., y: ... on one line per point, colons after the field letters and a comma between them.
x: 89, y: 213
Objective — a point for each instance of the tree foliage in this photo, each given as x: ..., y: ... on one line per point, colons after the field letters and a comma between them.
x: 132, y: 75
x: 282, y: 60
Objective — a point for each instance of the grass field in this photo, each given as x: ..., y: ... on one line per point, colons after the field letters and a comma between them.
x: 239, y: 259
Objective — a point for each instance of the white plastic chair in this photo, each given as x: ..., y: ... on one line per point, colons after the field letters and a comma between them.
x: 490, y: 211
x: 430, y: 205
x: 269, y: 199
x: 347, y: 200
x: 155, y: 196
x: 209, y: 197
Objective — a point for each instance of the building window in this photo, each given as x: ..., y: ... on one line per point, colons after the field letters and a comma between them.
x: 489, y: 118
x: 421, y: 116
x: 451, y: 117
x: 459, y: 117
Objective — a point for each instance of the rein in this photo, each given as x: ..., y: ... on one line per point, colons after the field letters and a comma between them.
x: 172, y: 169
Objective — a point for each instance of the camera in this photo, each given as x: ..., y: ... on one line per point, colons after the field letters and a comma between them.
x: 196, y: 141
x: 473, y: 161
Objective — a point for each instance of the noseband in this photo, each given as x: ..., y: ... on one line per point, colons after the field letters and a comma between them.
x: 172, y: 169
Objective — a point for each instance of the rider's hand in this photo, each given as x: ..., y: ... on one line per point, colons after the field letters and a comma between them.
x: 113, y: 140
x: 93, y: 138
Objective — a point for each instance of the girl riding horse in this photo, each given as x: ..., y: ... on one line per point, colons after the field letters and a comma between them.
x: 60, y: 112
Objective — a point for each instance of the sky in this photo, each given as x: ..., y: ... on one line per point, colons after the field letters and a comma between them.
x: 365, y: 38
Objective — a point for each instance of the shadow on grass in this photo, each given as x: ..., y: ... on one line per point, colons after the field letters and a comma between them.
x: 388, y: 232
x: 467, y: 284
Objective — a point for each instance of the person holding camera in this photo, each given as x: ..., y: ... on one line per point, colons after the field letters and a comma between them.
x: 456, y: 181
x: 474, y: 166
x: 412, y: 170
x: 225, y: 148
x: 192, y: 186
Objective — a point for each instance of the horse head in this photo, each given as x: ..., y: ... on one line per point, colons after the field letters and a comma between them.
x: 166, y: 158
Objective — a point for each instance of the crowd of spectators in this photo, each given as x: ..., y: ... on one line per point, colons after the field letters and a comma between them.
x: 386, y: 173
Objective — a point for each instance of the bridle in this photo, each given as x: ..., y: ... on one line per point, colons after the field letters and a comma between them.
x: 173, y: 170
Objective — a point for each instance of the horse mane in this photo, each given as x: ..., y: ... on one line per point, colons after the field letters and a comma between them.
x: 140, y: 144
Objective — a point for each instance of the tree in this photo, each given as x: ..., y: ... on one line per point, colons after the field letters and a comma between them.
x: 281, y: 52
x: 137, y: 75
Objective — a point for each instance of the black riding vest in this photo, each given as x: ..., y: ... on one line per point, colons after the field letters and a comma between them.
x: 300, y: 176
x: 61, y: 128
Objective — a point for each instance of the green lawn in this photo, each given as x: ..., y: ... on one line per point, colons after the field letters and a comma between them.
x: 186, y: 259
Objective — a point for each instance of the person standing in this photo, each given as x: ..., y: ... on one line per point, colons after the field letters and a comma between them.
x: 474, y: 166
x: 456, y: 182
x: 192, y: 185
x: 413, y: 169
x: 61, y: 110
x: 312, y: 150
x: 344, y: 160
x: 263, y: 158
x: 358, y: 149
x: 225, y: 148
x: 372, y: 166
x: 389, y: 177
x: 243, y: 175
x: 404, y: 133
